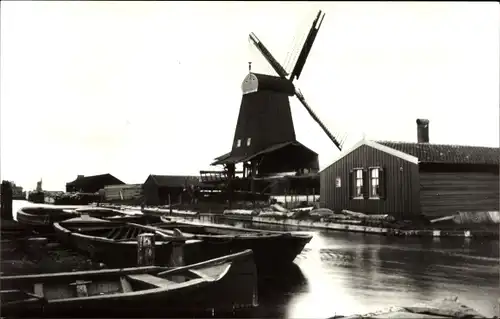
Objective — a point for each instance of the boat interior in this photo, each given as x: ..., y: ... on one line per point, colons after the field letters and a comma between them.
x: 88, y: 284
x: 116, y: 231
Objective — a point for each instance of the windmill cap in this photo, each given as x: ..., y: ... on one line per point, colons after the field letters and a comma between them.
x: 422, y: 121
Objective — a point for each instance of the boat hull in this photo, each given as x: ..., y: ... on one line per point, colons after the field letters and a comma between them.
x: 235, y: 289
x: 271, y: 248
x: 124, y: 253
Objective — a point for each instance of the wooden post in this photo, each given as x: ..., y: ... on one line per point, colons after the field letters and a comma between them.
x: 169, y: 204
x: 286, y: 206
x: 252, y: 183
x: 177, y: 256
x: 6, y: 201
x: 146, y: 249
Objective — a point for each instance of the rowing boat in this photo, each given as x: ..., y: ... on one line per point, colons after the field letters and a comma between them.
x: 271, y: 248
x: 115, y: 242
x: 223, y: 284
x: 41, y: 218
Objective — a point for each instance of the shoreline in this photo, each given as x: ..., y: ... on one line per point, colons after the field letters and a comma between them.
x: 367, y: 229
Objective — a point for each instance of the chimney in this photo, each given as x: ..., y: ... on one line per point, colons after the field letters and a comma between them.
x: 422, y: 131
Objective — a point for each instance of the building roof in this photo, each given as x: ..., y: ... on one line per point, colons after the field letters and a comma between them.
x: 433, y: 153
x: 228, y: 158
x: 447, y: 154
x: 87, y: 180
x: 175, y: 180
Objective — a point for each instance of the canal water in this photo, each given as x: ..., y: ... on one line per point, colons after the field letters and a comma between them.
x: 350, y: 273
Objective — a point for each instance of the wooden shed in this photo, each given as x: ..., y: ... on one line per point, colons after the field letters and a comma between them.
x: 408, y: 179
x: 158, y: 188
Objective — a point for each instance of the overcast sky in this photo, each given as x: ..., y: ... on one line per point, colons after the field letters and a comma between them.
x: 134, y: 88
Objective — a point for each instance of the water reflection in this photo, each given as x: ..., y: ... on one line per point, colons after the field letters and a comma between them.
x: 350, y: 273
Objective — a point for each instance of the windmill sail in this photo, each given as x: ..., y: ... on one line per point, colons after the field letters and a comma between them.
x: 304, y: 53
x: 298, y: 69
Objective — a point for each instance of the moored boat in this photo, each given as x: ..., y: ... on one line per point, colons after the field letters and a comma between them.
x: 41, y: 218
x: 271, y: 248
x: 115, y: 242
x: 223, y: 284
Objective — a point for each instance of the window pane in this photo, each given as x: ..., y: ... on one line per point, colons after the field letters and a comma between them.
x: 359, y: 182
x: 358, y: 191
x: 375, y: 173
x: 374, y: 190
x: 374, y: 181
x: 359, y: 173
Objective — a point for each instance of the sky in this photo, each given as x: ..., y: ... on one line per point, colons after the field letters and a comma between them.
x: 138, y: 88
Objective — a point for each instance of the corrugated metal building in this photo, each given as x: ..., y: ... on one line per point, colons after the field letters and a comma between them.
x: 408, y: 179
x: 158, y: 188
x: 122, y: 192
x: 92, y: 184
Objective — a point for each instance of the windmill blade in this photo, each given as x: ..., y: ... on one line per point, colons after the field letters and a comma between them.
x: 313, y: 115
x: 304, y: 53
x: 269, y: 57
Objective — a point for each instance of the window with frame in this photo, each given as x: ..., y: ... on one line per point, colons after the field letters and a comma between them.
x: 249, y: 141
x: 238, y: 143
x: 375, y: 182
x: 358, y: 178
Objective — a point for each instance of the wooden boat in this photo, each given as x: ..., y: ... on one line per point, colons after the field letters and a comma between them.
x: 115, y: 242
x: 223, y: 284
x: 271, y: 248
x: 165, y: 211
x: 41, y: 218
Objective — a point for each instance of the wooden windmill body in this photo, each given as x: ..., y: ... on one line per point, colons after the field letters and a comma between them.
x: 264, y: 139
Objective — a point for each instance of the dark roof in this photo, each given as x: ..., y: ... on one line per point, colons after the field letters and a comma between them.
x: 275, y: 83
x: 449, y: 154
x: 175, y: 180
x: 94, y: 179
x: 227, y: 158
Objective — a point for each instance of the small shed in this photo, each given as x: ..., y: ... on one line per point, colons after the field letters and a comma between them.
x: 92, y: 184
x: 407, y: 179
x: 180, y: 188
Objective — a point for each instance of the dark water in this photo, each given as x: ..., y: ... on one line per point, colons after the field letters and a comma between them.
x: 348, y: 273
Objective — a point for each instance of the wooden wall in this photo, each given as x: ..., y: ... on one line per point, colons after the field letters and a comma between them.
x: 401, y: 178
x: 445, y: 193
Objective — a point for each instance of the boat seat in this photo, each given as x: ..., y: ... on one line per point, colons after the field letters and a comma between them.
x: 150, y: 279
x: 201, y: 274
x: 81, y: 288
x: 38, y: 289
x: 126, y: 287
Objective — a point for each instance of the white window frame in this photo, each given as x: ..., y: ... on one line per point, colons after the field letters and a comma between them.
x: 338, y: 182
x: 238, y: 143
x: 358, y: 171
x: 374, y: 179
x: 249, y: 141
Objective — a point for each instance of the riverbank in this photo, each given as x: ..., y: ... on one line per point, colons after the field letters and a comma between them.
x: 477, y: 231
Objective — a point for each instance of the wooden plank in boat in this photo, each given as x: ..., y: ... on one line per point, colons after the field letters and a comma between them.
x: 150, y: 279
x: 201, y: 274
x: 126, y: 287
x: 81, y: 288
x: 38, y: 289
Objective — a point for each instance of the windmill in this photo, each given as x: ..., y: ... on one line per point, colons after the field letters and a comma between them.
x: 264, y: 138
x: 297, y: 70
